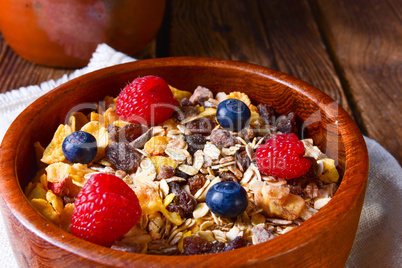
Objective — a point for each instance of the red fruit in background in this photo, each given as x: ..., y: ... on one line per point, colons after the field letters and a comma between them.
x: 105, y: 209
x: 282, y: 156
x: 147, y: 100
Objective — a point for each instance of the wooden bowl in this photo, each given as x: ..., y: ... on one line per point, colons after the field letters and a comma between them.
x: 324, y: 240
x: 65, y: 33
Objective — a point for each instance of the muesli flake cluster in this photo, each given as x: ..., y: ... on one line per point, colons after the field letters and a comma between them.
x: 172, y: 165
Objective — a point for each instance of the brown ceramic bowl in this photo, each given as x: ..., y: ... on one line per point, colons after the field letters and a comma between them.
x: 324, y: 240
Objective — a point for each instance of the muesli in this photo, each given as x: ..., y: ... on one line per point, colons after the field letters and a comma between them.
x: 201, y: 173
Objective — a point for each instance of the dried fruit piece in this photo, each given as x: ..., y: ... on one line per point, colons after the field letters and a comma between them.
x: 200, y: 95
x: 242, y: 160
x: 159, y: 161
x: 127, y: 133
x: 195, y: 142
x: 183, y: 203
x: 194, y: 245
x: 123, y: 156
x: 196, y: 182
x: 277, y: 201
x: 222, y: 138
x: 287, y: 123
x: 267, y: 113
x: 238, y: 242
x: 203, y: 125
x: 330, y: 173
x: 165, y: 172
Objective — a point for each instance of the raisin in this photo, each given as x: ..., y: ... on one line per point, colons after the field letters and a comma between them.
x: 310, y: 176
x: 267, y: 113
x: 131, y: 131
x: 261, y: 234
x: 128, y: 133
x: 203, y: 125
x: 113, y: 132
x: 68, y: 200
x: 185, y: 102
x: 123, y: 156
x: 182, y: 113
x: 246, y: 133
x: 222, y: 138
x: 296, y: 189
x: 227, y: 176
x: 165, y: 172
x: 181, y: 174
x: 126, y: 248
x: 200, y: 95
x: 195, y: 142
x: 196, y: 182
x: 238, y: 242
x: 194, y: 245
x: 242, y: 160
x: 217, y: 247
x: 287, y: 124
x: 183, y: 203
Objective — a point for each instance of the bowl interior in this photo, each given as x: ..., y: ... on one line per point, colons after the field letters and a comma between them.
x: 331, y: 128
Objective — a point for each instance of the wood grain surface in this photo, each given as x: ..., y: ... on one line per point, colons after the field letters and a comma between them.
x: 365, y: 38
x: 348, y: 49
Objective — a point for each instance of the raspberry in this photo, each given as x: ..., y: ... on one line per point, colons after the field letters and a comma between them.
x: 105, y: 209
x: 282, y: 156
x: 146, y: 100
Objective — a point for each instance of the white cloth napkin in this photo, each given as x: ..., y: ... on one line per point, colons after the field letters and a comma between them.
x: 378, y: 241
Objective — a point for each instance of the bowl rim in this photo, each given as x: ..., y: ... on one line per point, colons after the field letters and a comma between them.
x: 356, y: 166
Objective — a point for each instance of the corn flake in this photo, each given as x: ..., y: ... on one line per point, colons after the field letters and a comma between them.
x: 169, y: 124
x: 37, y: 192
x: 55, y: 201
x: 79, y: 119
x: 46, y: 210
x: 151, y: 202
x: 244, y: 98
x: 39, y: 150
x: 53, y: 152
x: 157, y: 145
x: 162, y: 160
x: 180, y: 94
x: 65, y: 217
x: 58, y: 171
x: 110, y: 116
x: 330, y: 173
x: 101, y: 135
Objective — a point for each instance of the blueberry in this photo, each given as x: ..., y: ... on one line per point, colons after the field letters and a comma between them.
x: 227, y: 199
x: 233, y: 114
x: 80, y: 147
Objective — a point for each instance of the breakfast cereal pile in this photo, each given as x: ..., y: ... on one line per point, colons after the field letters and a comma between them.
x: 159, y: 170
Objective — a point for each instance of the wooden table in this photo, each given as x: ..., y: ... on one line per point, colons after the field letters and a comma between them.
x: 350, y: 49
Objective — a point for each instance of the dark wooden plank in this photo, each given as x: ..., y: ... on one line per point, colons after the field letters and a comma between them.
x: 16, y: 72
x: 365, y: 37
x: 278, y: 34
